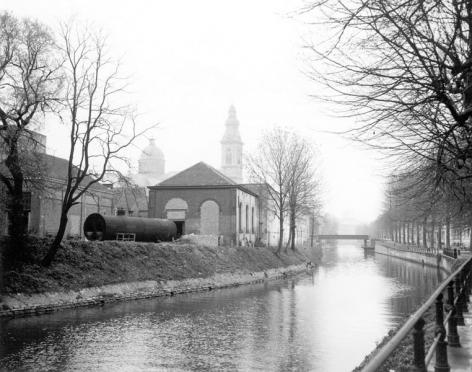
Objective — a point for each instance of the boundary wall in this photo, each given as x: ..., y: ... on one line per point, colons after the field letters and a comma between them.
x: 404, y: 252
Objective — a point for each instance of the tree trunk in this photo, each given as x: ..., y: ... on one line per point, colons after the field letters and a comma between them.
x: 18, y: 224
x: 470, y: 238
x: 425, y: 244
x: 57, y: 240
x: 448, y: 232
x: 281, y: 234
x: 440, y: 235
x: 432, y: 234
x: 417, y: 234
x: 408, y: 233
x: 291, y: 238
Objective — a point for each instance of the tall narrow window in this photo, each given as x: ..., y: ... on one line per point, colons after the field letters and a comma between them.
x: 252, y: 220
x: 228, y: 156
x: 247, y: 218
x: 239, y: 218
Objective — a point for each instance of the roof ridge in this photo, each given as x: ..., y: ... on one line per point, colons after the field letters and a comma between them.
x: 221, y: 174
x: 198, y: 177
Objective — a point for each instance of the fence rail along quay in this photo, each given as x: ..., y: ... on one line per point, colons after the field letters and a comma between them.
x: 447, y: 317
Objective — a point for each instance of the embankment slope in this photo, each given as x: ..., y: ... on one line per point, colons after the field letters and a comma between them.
x: 89, y: 272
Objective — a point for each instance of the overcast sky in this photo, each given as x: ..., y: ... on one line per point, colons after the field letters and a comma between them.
x: 190, y: 60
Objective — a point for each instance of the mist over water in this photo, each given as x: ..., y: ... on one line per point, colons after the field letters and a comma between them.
x: 327, y: 321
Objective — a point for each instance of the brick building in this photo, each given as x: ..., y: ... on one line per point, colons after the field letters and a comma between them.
x: 201, y: 200
x: 43, y: 205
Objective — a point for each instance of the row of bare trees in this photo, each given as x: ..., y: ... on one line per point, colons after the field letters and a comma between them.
x: 69, y: 77
x: 403, y: 71
x: 419, y: 211
x: 286, y: 163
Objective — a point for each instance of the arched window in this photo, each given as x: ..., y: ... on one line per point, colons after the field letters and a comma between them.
x: 209, y: 218
x: 228, y: 156
x: 176, y: 203
x: 176, y: 209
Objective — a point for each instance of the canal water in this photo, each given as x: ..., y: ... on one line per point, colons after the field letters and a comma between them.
x: 327, y: 321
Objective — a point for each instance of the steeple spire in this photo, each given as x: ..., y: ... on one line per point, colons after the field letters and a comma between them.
x: 232, y: 148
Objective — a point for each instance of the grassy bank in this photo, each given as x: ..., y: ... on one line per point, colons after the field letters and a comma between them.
x: 81, y: 264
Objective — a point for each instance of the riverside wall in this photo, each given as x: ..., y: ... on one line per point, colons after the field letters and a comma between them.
x: 35, y: 304
x: 405, y: 253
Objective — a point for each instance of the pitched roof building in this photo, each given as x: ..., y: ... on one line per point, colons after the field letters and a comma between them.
x: 202, y: 200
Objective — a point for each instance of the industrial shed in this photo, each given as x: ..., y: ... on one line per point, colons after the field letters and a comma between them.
x: 201, y: 200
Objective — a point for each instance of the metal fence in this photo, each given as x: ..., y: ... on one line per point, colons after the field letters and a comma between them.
x: 457, y: 287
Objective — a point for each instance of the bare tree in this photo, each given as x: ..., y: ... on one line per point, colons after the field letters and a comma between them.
x: 29, y: 83
x: 270, y: 166
x: 284, y: 162
x: 403, y: 69
x: 303, y: 185
x: 101, y: 128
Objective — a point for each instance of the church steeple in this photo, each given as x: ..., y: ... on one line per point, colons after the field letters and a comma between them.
x: 232, y: 148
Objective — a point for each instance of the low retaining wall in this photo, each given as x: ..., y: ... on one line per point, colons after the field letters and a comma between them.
x: 205, y: 240
x: 431, y: 259
x: 22, y: 304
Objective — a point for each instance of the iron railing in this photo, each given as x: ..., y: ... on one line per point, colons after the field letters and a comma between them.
x: 452, y: 252
x: 457, y: 286
x: 410, y: 247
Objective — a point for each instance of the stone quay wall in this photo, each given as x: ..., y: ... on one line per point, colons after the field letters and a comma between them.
x: 35, y: 304
x: 404, y: 252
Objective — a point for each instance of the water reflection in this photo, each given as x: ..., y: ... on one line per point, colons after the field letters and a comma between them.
x: 324, y: 322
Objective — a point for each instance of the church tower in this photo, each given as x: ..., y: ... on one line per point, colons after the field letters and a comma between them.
x: 232, y: 148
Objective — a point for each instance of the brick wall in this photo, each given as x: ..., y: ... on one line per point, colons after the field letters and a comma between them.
x: 195, y: 197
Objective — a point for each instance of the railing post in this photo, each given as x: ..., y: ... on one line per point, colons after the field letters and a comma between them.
x: 459, y: 303
x: 469, y: 280
x: 442, y: 364
x: 452, y: 335
x: 418, y: 347
x: 465, y: 290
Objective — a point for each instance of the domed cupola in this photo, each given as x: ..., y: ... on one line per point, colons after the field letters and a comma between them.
x: 152, y: 160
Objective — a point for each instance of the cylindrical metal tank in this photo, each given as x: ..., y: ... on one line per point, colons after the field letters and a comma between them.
x: 98, y: 227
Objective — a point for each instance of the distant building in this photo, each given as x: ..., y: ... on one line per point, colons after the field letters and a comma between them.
x: 43, y: 205
x: 232, y: 148
x: 151, y: 166
x: 130, y: 201
x: 131, y: 198
x: 46, y: 205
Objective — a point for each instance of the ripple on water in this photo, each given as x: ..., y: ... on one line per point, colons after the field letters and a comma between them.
x: 344, y: 308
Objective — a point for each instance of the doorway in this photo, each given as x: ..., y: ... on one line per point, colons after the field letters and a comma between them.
x: 180, y: 228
